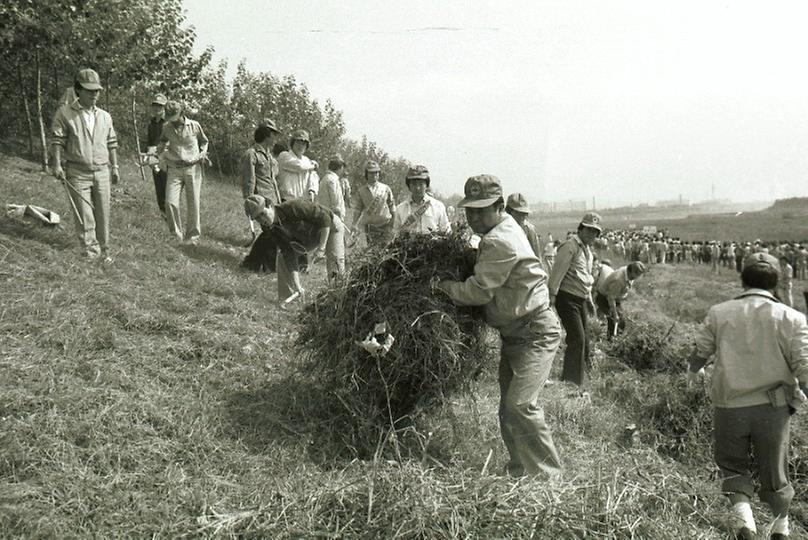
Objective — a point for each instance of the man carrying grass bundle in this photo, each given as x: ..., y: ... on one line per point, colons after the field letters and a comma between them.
x: 761, y: 361
x: 296, y: 227
x: 509, y: 281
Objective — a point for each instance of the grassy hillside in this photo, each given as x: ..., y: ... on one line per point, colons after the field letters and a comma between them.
x: 159, y: 397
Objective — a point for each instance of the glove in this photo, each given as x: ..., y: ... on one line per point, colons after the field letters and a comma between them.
x: 694, y: 377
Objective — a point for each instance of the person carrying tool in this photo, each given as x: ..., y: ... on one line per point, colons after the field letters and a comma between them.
x: 509, y: 281
x: 83, y: 135
x: 296, y: 227
x: 184, y: 149
x: 612, y: 290
x: 760, y: 350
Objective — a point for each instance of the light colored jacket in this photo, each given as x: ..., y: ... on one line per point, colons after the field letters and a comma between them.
x: 429, y: 216
x: 297, y: 177
x: 508, y: 279
x: 572, y: 269
x: 83, y: 150
x: 330, y: 194
x: 758, y: 343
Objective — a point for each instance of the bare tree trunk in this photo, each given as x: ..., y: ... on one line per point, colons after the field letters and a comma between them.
x: 27, y: 107
x: 137, y: 136
x: 42, y: 138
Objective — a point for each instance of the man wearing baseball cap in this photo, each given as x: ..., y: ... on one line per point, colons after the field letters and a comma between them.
x: 518, y: 208
x: 153, y: 132
x: 571, y: 282
x: 374, y: 207
x: 84, y: 137
x: 509, y: 281
x: 421, y: 213
x: 184, y: 148
x: 760, y: 351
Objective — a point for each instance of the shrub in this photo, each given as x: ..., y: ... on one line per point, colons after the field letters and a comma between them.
x: 653, y: 345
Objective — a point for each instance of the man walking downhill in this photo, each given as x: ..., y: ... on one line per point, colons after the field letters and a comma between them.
x: 760, y: 350
x: 421, y: 213
x: 510, y: 283
x: 374, y: 208
x: 571, y: 293
x: 84, y: 137
x: 153, y: 133
x: 184, y: 148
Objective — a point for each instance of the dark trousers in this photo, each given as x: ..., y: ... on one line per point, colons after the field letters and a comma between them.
x: 613, y: 326
x: 262, y: 254
x: 160, y: 188
x: 573, y: 312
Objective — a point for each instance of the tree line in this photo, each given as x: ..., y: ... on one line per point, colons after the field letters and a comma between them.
x: 139, y: 48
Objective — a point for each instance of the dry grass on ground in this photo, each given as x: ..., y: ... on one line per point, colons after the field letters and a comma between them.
x: 157, y: 397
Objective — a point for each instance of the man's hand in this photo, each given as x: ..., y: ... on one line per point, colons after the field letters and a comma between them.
x: 319, y: 254
x: 614, y: 315
x: 115, y: 175
x: 59, y: 172
x: 314, y: 165
x: 694, y: 377
x: 552, y: 300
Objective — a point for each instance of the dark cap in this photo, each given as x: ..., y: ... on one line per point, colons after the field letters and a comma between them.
x: 159, y: 99
x: 481, y: 191
x: 762, y: 259
x: 592, y: 220
x: 335, y: 161
x: 419, y: 172
x: 89, y: 79
x: 517, y: 202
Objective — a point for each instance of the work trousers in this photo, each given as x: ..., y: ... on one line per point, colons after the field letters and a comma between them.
x: 762, y: 430
x: 613, y: 326
x: 190, y: 179
x: 90, y: 206
x: 379, y: 235
x: 160, y: 178
x: 529, y: 345
x: 334, y: 256
x: 574, y: 314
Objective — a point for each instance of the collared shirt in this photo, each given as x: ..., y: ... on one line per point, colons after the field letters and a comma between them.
x: 374, y: 204
x: 616, y: 285
x: 183, y: 144
x: 296, y: 177
x: 507, y: 280
x: 259, y: 171
x: 758, y: 344
x: 89, y: 118
x: 572, y: 271
x: 84, y: 148
x: 299, y: 221
x: 330, y: 194
x: 427, y: 216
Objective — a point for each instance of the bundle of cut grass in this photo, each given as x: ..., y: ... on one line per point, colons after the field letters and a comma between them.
x: 439, y: 347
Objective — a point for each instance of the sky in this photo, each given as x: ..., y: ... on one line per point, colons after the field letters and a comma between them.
x: 620, y: 102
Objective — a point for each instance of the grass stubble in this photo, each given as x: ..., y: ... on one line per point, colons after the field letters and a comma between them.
x: 163, y: 396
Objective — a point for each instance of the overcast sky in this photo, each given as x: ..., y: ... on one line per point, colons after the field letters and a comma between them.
x: 625, y: 102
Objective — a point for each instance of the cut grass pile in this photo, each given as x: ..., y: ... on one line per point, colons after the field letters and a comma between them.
x: 439, y: 348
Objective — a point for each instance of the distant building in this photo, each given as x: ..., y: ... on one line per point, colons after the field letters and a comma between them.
x: 668, y: 203
x: 560, y: 207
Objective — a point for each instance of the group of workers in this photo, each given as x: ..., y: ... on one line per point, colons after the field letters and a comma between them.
x: 759, y: 345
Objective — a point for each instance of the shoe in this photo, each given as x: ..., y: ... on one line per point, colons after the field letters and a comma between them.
x: 745, y: 533
x: 779, y: 536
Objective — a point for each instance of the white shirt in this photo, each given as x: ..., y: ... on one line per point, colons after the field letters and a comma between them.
x: 296, y: 177
x: 427, y: 216
x: 89, y: 118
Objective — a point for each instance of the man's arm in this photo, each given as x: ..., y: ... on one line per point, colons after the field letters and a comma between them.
x: 560, y: 267
x: 288, y: 161
x: 705, y: 344
x: 202, y: 140
x: 798, y: 349
x: 493, y: 267
x: 248, y: 174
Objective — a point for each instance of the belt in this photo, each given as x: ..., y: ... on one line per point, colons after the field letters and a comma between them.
x: 86, y: 166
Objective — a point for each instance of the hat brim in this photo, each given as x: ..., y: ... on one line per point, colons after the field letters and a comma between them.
x: 478, y: 203
x: 160, y: 103
x: 521, y: 209
x: 589, y: 226
x: 421, y: 177
x: 173, y: 117
x: 91, y: 86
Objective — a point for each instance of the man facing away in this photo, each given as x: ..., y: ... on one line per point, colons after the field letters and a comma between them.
x: 519, y: 210
x: 760, y: 350
x: 421, y: 213
x: 84, y: 137
x: 184, y: 148
x: 509, y: 281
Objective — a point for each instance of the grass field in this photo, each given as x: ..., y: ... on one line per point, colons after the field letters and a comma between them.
x: 160, y: 397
